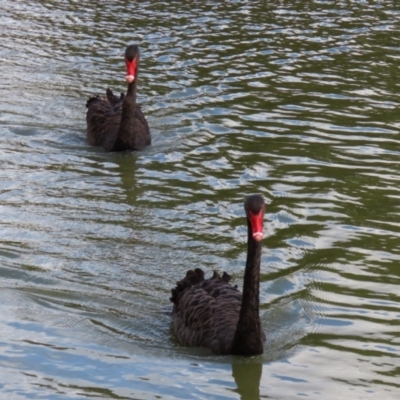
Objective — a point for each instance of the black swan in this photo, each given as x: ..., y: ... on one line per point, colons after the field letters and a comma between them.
x: 117, y: 123
x: 214, y: 314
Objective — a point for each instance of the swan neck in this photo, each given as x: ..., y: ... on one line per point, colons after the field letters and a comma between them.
x: 131, y: 91
x: 128, y: 113
x: 248, y: 337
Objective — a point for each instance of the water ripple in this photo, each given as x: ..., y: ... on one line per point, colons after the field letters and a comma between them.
x: 295, y: 101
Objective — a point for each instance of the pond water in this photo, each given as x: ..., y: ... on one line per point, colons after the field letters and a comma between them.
x: 297, y: 101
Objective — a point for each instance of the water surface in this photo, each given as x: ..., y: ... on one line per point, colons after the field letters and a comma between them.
x: 296, y: 101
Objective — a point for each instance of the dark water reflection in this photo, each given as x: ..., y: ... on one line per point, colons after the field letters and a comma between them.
x: 297, y: 101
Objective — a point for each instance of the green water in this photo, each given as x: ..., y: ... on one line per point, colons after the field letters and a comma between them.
x: 296, y: 101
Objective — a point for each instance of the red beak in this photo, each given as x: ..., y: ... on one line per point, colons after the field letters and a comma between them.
x: 257, y: 222
x: 130, y: 70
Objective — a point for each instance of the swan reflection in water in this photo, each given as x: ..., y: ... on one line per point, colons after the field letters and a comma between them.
x: 247, y: 375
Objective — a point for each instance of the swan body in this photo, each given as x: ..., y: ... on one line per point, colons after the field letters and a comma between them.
x: 214, y: 314
x: 117, y: 123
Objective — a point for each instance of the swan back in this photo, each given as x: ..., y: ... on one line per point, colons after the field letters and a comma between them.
x: 206, y: 311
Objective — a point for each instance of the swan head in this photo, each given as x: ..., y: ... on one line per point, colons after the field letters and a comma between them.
x: 255, y: 209
x: 132, y: 55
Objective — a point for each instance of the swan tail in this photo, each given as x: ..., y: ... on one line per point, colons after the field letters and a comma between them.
x: 113, y: 99
x: 196, y: 277
x: 92, y: 100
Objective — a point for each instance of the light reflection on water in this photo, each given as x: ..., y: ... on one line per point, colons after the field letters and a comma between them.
x: 294, y: 101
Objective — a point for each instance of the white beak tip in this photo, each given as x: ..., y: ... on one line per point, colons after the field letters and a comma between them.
x: 257, y: 236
